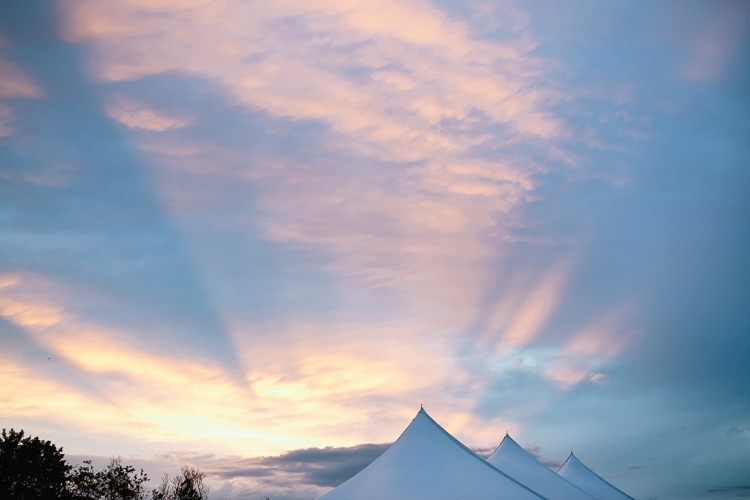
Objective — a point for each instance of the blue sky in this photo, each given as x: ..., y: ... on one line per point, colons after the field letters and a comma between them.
x: 238, y: 233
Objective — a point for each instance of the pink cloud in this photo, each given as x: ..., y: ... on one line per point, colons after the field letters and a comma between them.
x: 136, y: 115
x: 606, y: 336
x: 425, y: 236
x: 296, y: 75
x: 16, y: 83
x: 416, y: 217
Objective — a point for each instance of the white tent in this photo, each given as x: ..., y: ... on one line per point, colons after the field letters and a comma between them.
x: 516, y: 462
x: 427, y: 463
x: 577, y: 473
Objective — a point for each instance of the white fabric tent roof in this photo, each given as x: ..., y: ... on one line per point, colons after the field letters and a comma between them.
x: 577, y: 473
x: 427, y: 463
x: 516, y: 462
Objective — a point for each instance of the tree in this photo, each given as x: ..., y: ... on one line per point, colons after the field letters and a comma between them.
x: 30, y: 468
x: 83, y: 482
x: 113, y: 482
x: 121, y: 482
x: 188, y: 485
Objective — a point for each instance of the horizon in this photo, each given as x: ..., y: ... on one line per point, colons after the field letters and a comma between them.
x: 232, y: 230
x: 304, y: 473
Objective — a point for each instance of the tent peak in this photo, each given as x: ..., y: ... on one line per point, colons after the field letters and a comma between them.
x: 565, y: 462
x: 520, y: 464
x: 508, y: 438
x: 589, y: 481
x: 428, y: 463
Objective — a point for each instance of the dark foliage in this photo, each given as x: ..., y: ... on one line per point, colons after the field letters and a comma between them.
x: 114, y: 482
x: 188, y: 485
x: 30, y: 468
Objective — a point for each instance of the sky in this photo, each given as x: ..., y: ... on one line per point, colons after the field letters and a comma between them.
x: 254, y: 237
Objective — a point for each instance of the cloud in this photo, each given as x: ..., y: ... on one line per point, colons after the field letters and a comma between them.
x: 535, y: 309
x: 605, y: 336
x: 536, y: 451
x: 300, y: 474
x: 132, y: 386
x: 425, y: 239
x: 137, y: 116
x: 450, y: 197
x: 328, y: 39
x: 739, y: 490
x: 328, y: 466
x: 16, y: 83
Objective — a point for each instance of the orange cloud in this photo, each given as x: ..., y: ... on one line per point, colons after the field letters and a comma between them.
x: 9, y: 280
x: 21, y: 306
x: 30, y: 314
x: 520, y: 314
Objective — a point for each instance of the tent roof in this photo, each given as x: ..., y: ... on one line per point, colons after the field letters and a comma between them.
x: 510, y: 458
x: 577, y: 473
x: 427, y: 463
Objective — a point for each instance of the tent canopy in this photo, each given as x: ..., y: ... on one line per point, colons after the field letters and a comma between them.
x: 427, y: 463
x: 516, y: 462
